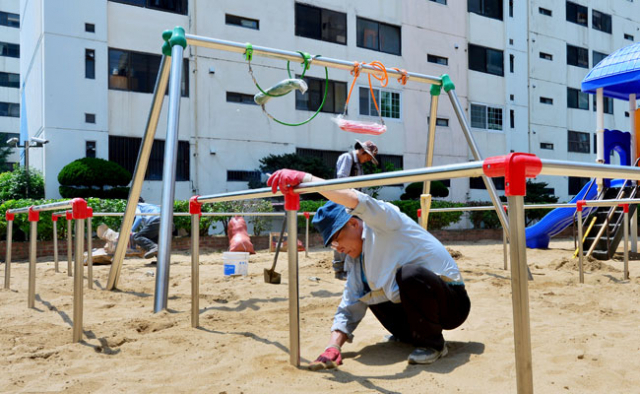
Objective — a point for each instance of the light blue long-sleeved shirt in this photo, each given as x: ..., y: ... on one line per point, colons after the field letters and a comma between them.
x: 391, y: 240
x: 144, y: 219
x: 345, y: 164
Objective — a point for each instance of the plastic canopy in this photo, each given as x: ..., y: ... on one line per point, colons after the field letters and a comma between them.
x: 618, y: 74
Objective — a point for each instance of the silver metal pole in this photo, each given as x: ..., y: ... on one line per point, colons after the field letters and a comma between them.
x: 626, y: 243
x: 505, y: 252
x: 195, y: 270
x: 32, y: 264
x: 306, y: 238
x: 89, y: 255
x: 520, y: 295
x: 588, y: 170
x: 240, y: 47
x: 168, y: 182
x: 493, y: 194
x: 634, y: 231
x: 431, y: 139
x: 470, y: 169
x: 580, y: 246
x: 78, y: 278
x: 294, y: 306
x: 69, y: 249
x: 7, y: 262
x: 55, y: 246
x: 138, y: 174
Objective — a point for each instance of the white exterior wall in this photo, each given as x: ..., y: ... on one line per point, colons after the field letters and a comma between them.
x: 551, y: 34
x: 10, y: 65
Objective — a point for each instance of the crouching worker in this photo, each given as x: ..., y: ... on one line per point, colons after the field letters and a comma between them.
x: 394, y: 267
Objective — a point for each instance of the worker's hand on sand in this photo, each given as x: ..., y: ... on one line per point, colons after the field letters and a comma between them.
x: 331, y: 358
x: 286, y: 179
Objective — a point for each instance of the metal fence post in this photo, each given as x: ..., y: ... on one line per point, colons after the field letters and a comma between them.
x: 7, y: 263
x: 306, y: 237
x: 291, y: 206
x: 625, y: 208
x: 69, y: 244
x: 195, y: 209
x: 34, y: 217
x: 579, y: 206
x: 79, y: 214
x: 54, y: 220
x: 89, y: 249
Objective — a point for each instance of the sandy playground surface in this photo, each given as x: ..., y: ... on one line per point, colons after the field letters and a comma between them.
x: 585, y: 338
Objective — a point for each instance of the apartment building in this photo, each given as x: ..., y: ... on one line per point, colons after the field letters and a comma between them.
x: 526, y: 63
x: 10, y: 75
x: 89, y: 70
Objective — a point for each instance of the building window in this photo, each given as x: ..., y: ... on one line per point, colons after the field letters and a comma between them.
x: 510, y: 8
x: 90, y: 118
x: 321, y: 24
x: 546, y: 145
x: 628, y: 37
x: 607, y: 104
x: 546, y: 100
x: 9, y: 80
x: 626, y: 114
x: 576, y: 184
x: 137, y: 72
x: 478, y: 183
x: 9, y: 19
x: 577, y: 13
x: 11, y: 110
x: 124, y: 151
x: 90, y: 149
x: 443, y: 122
x: 241, y: 98
x: 437, y: 59
x: 9, y: 50
x: 577, y: 99
x: 485, y: 117
x: 90, y: 64
x: 488, y: 8
x: 242, y: 176
x: 601, y: 21
x: 544, y: 11
x: 310, y: 101
x: 90, y: 28
x: 378, y: 36
x: 597, y: 57
x: 242, y: 21
x: 546, y: 56
x: 577, y: 56
x: 486, y: 60
x: 443, y: 2
x: 578, y: 142
x: 512, y: 97
x: 512, y: 119
x: 175, y: 6
x: 512, y: 59
x: 388, y: 102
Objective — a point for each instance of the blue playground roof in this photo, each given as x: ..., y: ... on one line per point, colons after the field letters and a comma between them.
x: 618, y: 74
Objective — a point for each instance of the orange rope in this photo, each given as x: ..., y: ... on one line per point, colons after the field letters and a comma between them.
x: 403, y: 78
x: 384, y: 79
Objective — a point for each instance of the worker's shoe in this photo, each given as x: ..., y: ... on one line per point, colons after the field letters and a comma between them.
x: 153, y: 252
x: 426, y: 355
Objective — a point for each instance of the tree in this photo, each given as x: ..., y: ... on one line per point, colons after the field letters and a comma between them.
x: 92, y: 177
x: 538, y: 193
x: 13, y: 185
x: 5, y: 151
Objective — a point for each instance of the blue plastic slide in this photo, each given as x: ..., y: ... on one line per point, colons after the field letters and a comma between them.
x: 539, y: 234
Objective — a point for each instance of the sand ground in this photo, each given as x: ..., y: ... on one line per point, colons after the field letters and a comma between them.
x: 585, y: 337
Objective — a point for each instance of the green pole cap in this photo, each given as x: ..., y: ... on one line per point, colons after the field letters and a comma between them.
x: 178, y: 38
x: 446, y: 83
x: 166, y: 49
x: 435, y: 90
x: 166, y: 35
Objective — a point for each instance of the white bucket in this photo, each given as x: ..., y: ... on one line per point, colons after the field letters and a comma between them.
x: 235, y: 263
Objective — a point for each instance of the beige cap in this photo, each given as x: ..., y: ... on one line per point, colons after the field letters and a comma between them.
x: 369, y: 147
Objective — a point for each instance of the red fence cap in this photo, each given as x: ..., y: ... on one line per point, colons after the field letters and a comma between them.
x: 515, y: 168
x: 9, y: 216
x: 195, y: 207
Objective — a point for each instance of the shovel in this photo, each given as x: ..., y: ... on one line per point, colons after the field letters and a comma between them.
x: 270, y: 275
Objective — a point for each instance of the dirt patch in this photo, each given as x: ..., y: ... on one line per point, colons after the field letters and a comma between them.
x: 454, y: 253
x: 589, y: 264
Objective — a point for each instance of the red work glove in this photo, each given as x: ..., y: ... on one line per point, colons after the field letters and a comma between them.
x: 285, y: 179
x: 331, y: 358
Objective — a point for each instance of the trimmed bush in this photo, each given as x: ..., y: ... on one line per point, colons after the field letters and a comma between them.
x: 92, y: 177
x: 13, y: 185
x: 414, y: 190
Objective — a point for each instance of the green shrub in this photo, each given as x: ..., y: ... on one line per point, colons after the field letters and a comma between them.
x: 437, y: 220
x: 483, y: 219
x: 13, y: 185
x: 92, y: 177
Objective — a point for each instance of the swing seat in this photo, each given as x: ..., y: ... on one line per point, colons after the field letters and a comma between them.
x: 359, y: 127
x: 280, y: 89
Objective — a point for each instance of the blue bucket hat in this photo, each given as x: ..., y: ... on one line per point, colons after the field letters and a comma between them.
x: 329, y: 219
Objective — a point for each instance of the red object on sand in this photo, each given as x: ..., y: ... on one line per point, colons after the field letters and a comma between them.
x: 239, y: 240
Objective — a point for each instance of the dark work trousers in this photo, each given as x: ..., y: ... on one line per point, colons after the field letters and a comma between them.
x: 147, y: 237
x: 428, y: 306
